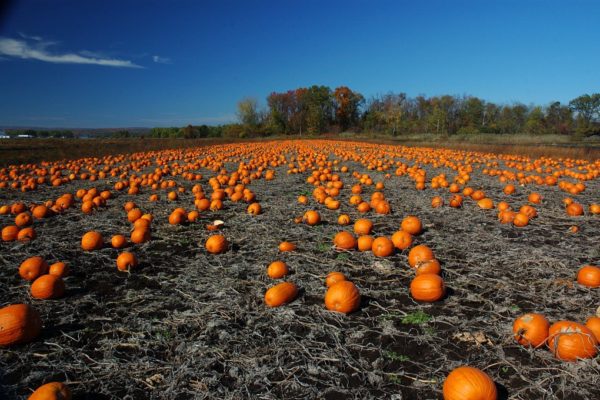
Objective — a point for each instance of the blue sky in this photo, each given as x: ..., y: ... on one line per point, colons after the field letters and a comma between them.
x: 162, y: 63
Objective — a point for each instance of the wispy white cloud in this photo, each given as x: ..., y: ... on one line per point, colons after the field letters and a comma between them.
x: 161, y: 60
x: 37, y: 49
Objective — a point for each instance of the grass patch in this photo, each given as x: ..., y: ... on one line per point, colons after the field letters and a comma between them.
x: 417, y: 318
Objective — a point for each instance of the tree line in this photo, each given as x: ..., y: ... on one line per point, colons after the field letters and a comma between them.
x: 319, y: 109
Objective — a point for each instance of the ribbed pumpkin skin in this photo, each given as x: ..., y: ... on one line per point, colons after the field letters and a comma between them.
x: 427, y: 287
x: 468, y: 383
x: 593, y: 324
x: 281, y: 294
x: 48, y: 287
x: 51, y: 391
x: 32, y: 268
x: 19, y: 323
x: 570, y: 341
x: 343, y: 297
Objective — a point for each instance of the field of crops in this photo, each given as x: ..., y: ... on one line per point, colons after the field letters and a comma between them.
x: 444, y: 258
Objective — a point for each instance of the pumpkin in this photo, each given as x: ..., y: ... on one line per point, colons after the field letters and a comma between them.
x: 509, y: 189
x: 486, y: 203
x: 437, y: 201
x: 51, y: 391
x: 469, y: 383
x: 589, y: 275
x: 595, y: 209
x: 302, y: 199
x: 19, y: 323
x: 59, y: 269
x: 574, y: 209
x: 520, y: 220
x: 281, y: 294
x: 419, y: 254
x: 40, y: 212
x: 402, y: 240
x: 343, y: 219
x: 363, y: 226
x: 382, y: 247
x: 344, y: 240
x: 26, y: 234
x: 10, y: 233
x: 342, y: 296
x: 528, y: 210
x: 287, y: 246
x: 412, y: 225
x: 311, y: 217
x: 429, y: 267
x: 535, y: 198
x: 176, y: 218
x: 134, y: 214
x: 531, y: 329
x: 32, y: 268
x: 593, y: 324
x: 333, y: 278
x: 126, y: 261
x: 91, y: 240
x: 254, y: 209
x: 365, y: 243
x: 277, y: 270
x: 23, y: 219
x: 570, y: 341
x: 48, y: 287
x: 143, y: 223
x: 216, y: 244
x: 118, y: 241
x: 456, y: 201
x: 140, y: 235
x: 427, y: 287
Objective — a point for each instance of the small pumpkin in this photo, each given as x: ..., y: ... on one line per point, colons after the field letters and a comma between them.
x: 343, y: 219
x: 287, y: 246
x: 118, y: 241
x: 311, y: 217
x: 429, y: 267
x: 216, y: 244
x: 10, y: 233
x: 281, y: 294
x: 344, y: 240
x: 531, y: 329
x: 254, y: 209
x: 140, y: 235
x: 59, y: 269
x: 19, y: 323
x: 363, y: 226
x: 365, y: 243
x: 26, y: 234
x: 589, y: 275
x: 427, y: 287
x: 402, y: 240
x: 91, y: 240
x: 48, y: 287
x: 574, y: 209
x: 570, y: 341
x: 126, y: 261
x: 437, y: 201
x: 342, y: 296
x: 412, y: 225
x: 51, y: 391
x: 520, y: 220
x: 333, y: 278
x: 469, y: 383
x: 419, y: 254
x: 277, y: 270
x: 32, y: 268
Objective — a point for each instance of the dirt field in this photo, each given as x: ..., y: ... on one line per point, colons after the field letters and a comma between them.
x: 191, y: 325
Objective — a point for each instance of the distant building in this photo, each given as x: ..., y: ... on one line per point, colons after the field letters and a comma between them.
x: 3, y: 135
x: 24, y: 136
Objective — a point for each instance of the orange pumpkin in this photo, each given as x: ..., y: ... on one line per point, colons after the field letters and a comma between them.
x: 419, y: 254
x: 287, y: 246
x: 402, y: 240
x: 589, y: 275
x: 437, y: 201
x: 531, y: 329
x: 343, y: 219
x: 126, y: 261
x: 570, y: 341
x: 412, y: 225
x: 19, y: 323
x: 277, y: 270
x: 333, y: 278
x: 311, y: 217
x: 59, y: 269
x: 574, y: 209
x: 48, y: 287
x: 216, y: 244
x: 140, y: 235
x: 281, y: 294
x: 342, y: 296
x: 51, y: 391
x: 427, y: 287
x: 363, y: 226
x: 365, y: 243
x: 32, y: 268
x: 382, y: 247
x: 26, y: 234
x: 593, y: 324
x: 520, y: 220
x: 429, y: 267
x: 469, y: 383
x: 10, y: 233
x: 344, y: 240
x: 91, y: 240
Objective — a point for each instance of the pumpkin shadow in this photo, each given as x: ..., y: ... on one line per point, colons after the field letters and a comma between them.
x: 91, y: 396
x: 502, y: 391
x: 57, y: 330
x: 449, y: 292
x: 365, y: 301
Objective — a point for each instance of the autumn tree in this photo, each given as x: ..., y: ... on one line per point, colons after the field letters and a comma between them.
x: 347, y: 106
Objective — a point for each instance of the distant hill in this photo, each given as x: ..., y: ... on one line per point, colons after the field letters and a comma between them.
x: 82, y: 132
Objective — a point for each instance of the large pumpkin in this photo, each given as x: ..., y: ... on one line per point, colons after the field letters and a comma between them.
x: 531, y: 329
x: 32, y: 268
x: 51, y: 391
x: 343, y: 297
x: 91, y: 241
x: 570, y: 341
x: 19, y: 323
x: 344, y: 240
x: 48, y: 287
x: 469, y: 383
x: 216, y: 244
x: 281, y: 294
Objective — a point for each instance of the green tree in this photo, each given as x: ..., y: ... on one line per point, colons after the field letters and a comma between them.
x: 587, y: 108
x: 247, y: 113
